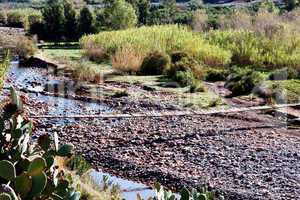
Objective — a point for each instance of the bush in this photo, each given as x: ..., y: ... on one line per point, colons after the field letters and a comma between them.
x: 155, y: 63
x: 284, y: 74
x: 184, y: 78
x: 182, y: 61
x: 120, y: 14
x: 127, y: 59
x: 242, y: 81
x: 213, y: 75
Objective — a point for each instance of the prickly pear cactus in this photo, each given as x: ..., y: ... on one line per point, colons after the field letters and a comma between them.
x: 28, y: 172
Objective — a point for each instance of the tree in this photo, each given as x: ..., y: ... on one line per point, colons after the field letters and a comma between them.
x: 194, y: 5
x: 170, y: 5
x: 53, y: 14
x: 159, y: 16
x: 291, y: 4
x: 71, y: 25
x: 119, y: 14
x: 86, y: 21
x: 142, y: 9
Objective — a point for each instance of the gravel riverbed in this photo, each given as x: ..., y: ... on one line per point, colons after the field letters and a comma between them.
x: 243, y: 155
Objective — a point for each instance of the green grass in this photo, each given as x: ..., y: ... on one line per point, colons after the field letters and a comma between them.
x: 70, y: 54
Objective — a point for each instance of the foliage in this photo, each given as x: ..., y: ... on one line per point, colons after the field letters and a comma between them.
x: 242, y: 81
x: 18, y: 18
x: 70, y: 20
x: 35, y: 24
x: 182, y: 61
x: 155, y: 63
x: 168, y: 38
x: 142, y: 9
x: 3, y: 67
x: 248, y: 48
x: 185, y: 194
x: 53, y: 14
x: 29, y: 171
x: 215, y: 74
x: 86, y: 20
x: 184, y: 78
x: 15, y: 19
x: 78, y: 164
x: 119, y: 14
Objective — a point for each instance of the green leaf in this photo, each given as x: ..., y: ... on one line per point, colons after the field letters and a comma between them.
x: 49, y: 160
x: 202, y: 197
x: 39, y: 183
x: 7, y: 170
x: 5, y: 196
x: 185, y: 194
x: 37, y: 166
x: 157, y: 186
x: 23, y: 184
x: 65, y: 150
x: 44, y: 142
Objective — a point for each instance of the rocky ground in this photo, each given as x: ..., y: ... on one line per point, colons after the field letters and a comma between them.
x: 243, y: 156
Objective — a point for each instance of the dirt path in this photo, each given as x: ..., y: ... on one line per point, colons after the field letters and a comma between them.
x: 243, y: 156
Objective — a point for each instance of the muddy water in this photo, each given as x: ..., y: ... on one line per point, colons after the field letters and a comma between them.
x: 37, y: 80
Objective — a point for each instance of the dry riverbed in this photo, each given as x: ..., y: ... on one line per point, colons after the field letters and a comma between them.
x: 243, y: 155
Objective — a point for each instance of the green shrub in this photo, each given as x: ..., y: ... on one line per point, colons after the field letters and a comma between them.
x: 242, y: 81
x: 213, y: 75
x: 284, y: 74
x: 182, y: 61
x: 155, y: 63
x: 184, y: 78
